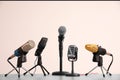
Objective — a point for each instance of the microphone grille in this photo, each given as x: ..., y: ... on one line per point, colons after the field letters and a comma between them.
x: 91, y: 47
x: 62, y: 30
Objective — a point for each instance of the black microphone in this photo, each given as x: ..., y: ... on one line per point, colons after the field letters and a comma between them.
x: 38, y: 52
x: 41, y: 46
x: 62, y: 31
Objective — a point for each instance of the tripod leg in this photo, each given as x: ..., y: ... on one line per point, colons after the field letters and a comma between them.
x: 26, y: 70
x: 102, y: 71
x: 12, y: 66
x: 107, y: 71
x: 91, y: 70
x: 19, y: 73
x: 45, y: 69
x: 30, y: 70
x: 9, y: 72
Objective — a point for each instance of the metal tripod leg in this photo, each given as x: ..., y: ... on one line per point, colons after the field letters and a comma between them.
x: 18, y: 72
x: 45, y: 69
x: 9, y: 72
x: 15, y: 68
x: 91, y: 70
x: 26, y: 70
x: 30, y: 69
x: 102, y: 71
x: 107, y: 71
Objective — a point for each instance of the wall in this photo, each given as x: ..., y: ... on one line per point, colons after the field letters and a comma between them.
x: 86, y: 22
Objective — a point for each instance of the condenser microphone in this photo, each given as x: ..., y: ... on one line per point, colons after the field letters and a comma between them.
x: 62, y: 30
x: 23, y: 50
x: 21, y: 54
x: 41, y: 46
x: 98, y: 52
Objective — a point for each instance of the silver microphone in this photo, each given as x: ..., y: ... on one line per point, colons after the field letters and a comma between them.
x: 62, y: 30
x: 72, y: 53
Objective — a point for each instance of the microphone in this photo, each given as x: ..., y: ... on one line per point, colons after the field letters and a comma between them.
x: 72, y: 53
x: 97, y: 52
x: 72, y: 57
x: 62, y: 30
x: 23, y: 50
x: 41, y: 46
x: 38, y: 52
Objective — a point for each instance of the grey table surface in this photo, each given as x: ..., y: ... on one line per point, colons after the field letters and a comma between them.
x: 51, y: 77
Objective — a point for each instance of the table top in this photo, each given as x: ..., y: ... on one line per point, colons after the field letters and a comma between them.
x: 51, y: 77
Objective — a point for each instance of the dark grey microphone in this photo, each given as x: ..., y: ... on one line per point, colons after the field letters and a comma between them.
x: 72, y: 53
x: 62, y: 30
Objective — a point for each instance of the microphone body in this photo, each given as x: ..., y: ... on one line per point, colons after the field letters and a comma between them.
x: 41, y: 46
x: 23, y: 50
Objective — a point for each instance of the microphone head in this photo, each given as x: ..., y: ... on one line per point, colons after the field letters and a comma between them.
x: 28, y: 45
x: 91, y: 47
x: 62, y: 30
x: 72, y: 53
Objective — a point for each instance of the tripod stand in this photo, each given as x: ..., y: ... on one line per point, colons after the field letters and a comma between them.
x: 19, y: 66
x: 100, y: 64
x: 39, y: 63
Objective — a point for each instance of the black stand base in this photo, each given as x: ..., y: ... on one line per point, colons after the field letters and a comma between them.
x: 73, y: 75
x: 60, y: 73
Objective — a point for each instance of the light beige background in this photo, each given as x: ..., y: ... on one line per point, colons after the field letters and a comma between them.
x: 86, y: 22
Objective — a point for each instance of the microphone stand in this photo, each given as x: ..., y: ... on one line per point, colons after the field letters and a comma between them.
x: 72, y: 71
x: 19, y: 65
x: 60, y: 72
x: 100, y: 64
x: 39, y: 63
